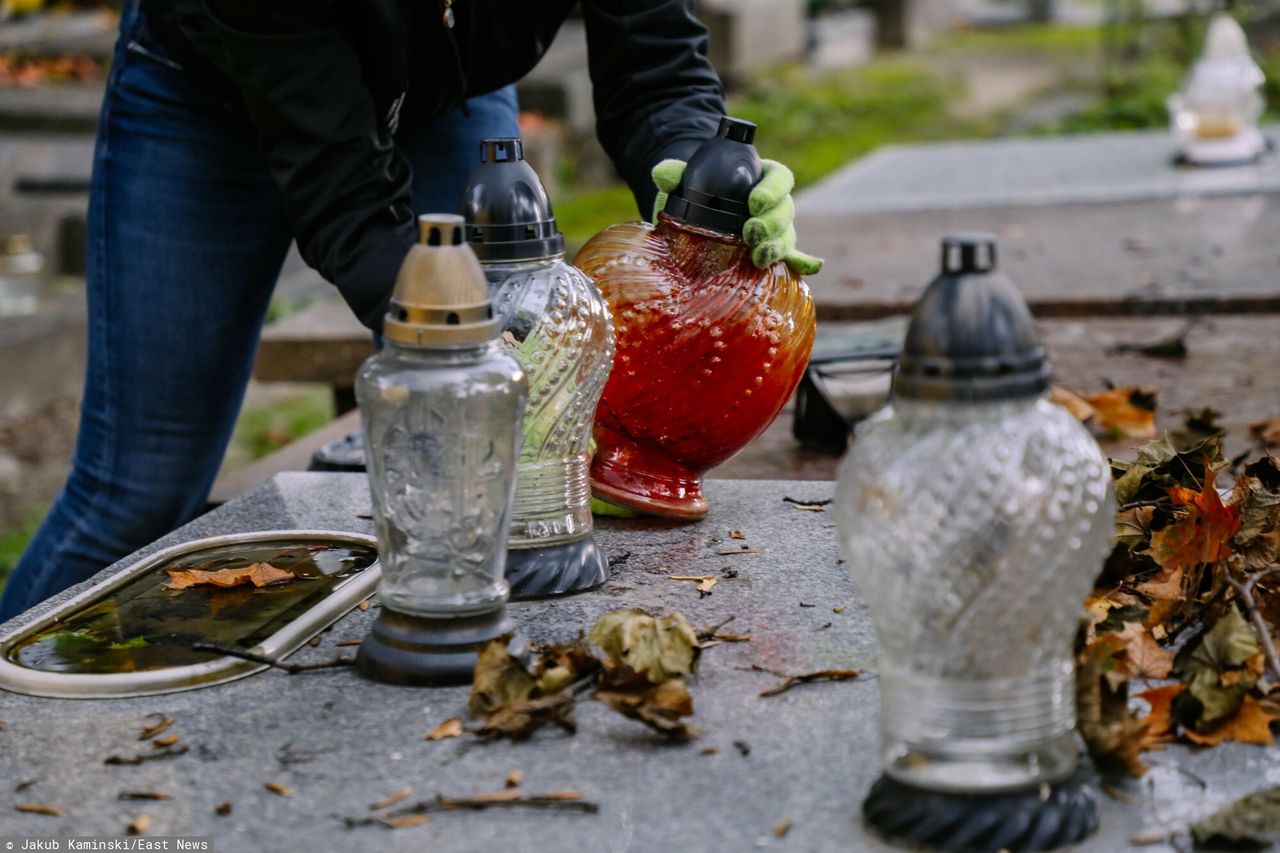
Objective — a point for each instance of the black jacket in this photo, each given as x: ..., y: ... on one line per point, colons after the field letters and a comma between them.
x: 326, y: 83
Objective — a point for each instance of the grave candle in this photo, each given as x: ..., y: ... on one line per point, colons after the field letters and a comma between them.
x: 441, y: 406
x: 1215, y: 116
x: 975, y: 515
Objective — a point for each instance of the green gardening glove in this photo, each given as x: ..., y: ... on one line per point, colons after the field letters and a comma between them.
x: 771, y: 230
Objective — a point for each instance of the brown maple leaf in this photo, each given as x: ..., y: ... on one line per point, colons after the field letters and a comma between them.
x: 1160, y: 720
x: 1251, y: 723
x: 1125, y: 412
x: 1200, y: 535
x: 1142, y: 654
x: 258, y: 574
x: 1266, y: 433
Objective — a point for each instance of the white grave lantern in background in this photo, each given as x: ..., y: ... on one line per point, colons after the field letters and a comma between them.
x: 1215, y: 116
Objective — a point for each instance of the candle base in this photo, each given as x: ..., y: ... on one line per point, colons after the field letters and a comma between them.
x: 1043, y: 818
x: 557, y: 569
x: 420, y: 650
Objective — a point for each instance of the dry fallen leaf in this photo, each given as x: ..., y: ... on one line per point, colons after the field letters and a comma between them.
x: 658, y: 648
x: 1250, y: 724
x: 39, y: 808
x: 1144, y: 657
x: 364, y: 606
x: 1202, y: 535
x: 391, y: 799
x: 705, y: 582
x: 404, y: 821
x: 708, y: 750
x: 514, y: 778
x: 139, y: 825
x: 737, y: 534
x: 659, y: 706
x: 781, y: 828
x: 222, y: 809
x: 155, y: 728
x: 258, y: 574
x: 1125, y: 412
x: 168, y: 740
x: 1072, y: 402
x: 278, y: 788
x: 1159, y: 721
x: 1266, y: 433
x: 451, y: 727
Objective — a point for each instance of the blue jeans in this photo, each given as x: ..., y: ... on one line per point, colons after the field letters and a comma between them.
x: 186, y: 237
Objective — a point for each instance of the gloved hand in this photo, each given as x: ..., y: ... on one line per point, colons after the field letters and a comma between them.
x: 771, y: 230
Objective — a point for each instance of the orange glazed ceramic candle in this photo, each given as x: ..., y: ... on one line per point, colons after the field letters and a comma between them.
x: 709, y: 347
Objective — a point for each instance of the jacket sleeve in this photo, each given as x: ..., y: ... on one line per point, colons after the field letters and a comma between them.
x: 656, y: 94
x: 346, y: 186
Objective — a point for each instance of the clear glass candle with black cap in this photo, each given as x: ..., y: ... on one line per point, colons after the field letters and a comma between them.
x: 974, y: 516
x: 556, y: 324
x: 441, y: 405
x: 709, y: 348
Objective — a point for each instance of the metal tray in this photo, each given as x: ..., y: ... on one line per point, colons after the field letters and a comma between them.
x: 345, y: 593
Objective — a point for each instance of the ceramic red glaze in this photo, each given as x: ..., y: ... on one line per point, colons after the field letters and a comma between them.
x: 709, y: 349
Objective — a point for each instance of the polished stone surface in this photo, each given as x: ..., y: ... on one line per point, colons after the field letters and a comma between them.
x: 342, y: 743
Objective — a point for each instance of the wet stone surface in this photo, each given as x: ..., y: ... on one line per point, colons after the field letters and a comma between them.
x: 341, y: 743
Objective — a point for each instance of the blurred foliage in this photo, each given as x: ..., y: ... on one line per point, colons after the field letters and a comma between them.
x: 268, y: 427
x: 14, y: 541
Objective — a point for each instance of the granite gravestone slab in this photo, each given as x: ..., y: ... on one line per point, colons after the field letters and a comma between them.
x: 341, y: 743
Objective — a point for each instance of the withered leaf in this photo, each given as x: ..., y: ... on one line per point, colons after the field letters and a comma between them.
x: 1072, y: 402
x: 38, y: 808
x: 781, y: 828
x: 1160, y: 465
x: 1202, y: 534
x: 659, y: 706
x: 1124, y: 412
x: 501, y: 678
x: 258, y: 574
x: 168, y: 740
x: 1159, y: 721
x: 155, y: 728
x: 391, y: 799
x: 278, y: 789
x: 1252, y: 819
x: 1166, y: 586
x: 1112, y: 733
x: 561, y: 666
x: 1267, y: 432
x: 1133, y: 526
x: 519, y: 720
x: 1144, y: 658
x: 705, y: 582
x: 737, y: 534
x: 659, y: 648
x: 1229, y: 643
x: 404, y: 821
x: 451, y: 727
x: 138, y: 825
x: 1251, y: 723
x: 1258, y: 539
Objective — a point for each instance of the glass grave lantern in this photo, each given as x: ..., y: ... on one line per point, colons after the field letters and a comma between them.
x: 709, y: 348
x: 557, y: 326
x: 1215, y: 116
x: 441, y: 406
x: 975, y: 515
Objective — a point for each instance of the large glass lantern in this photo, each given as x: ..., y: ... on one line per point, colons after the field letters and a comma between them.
x: 974, y: 515
x: 1215, y: 116
x: 557, y: 325
x: 441, y: 407
x: 710, y: 347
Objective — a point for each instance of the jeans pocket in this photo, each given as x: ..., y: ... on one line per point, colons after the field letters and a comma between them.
x: 137, y: 48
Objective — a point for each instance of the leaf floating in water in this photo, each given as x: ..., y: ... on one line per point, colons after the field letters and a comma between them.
x: 139, y: 642
x: 258, y: 574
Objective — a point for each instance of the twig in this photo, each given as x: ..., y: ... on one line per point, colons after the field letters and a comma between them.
x: 570, y: 801
x: 827, y: 502
x: 1245, y: 591
x: 253, y: 657
x: 805, y: 678
x: 118, y: 760
x: 1140, y: 504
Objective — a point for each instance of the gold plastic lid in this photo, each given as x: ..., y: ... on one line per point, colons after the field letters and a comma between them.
x: 441, y: 298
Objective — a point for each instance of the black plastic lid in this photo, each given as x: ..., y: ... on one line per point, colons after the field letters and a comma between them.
x: 508, y: 215
x: 971, y: 336
x: 714, y: 188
